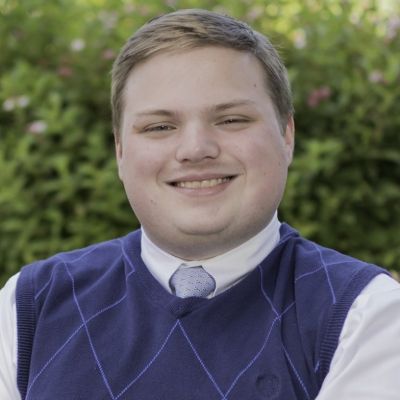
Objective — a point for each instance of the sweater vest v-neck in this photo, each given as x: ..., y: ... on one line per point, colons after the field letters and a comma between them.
x: 95, y: 324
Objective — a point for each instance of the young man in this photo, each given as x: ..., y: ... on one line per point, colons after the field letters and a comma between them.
x: 213, y: 298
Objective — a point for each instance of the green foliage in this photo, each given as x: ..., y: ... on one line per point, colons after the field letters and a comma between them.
x: 58, y: 181
x: 344, y: 187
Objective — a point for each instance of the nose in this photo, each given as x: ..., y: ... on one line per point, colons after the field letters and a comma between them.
x: 197, y: 143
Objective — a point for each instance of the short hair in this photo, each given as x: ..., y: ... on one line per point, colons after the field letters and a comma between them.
x: 193, y: 28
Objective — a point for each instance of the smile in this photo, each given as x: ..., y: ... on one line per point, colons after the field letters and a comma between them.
x: 200, y: 184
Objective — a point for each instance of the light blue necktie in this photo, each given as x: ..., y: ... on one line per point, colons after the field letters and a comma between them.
x: 192, y: 282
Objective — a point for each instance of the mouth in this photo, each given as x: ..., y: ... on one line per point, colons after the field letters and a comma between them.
x: 202, y: 183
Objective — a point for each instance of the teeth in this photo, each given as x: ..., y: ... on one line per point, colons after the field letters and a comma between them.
x: 202, y: 184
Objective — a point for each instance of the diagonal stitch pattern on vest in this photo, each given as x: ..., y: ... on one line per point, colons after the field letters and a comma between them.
x: 303, y: 386
x: 127, y: 259
x: 51, y: 360
x: 212, y: 379
x: 326, y: 273
x: 246, y: 368
x: 316, y: 368
x: 308, y: 274
x: 149, y: 363
x: 322, y: 267
x: 341, y: 263
x: 277, y: 319
x: 48, y: 281
x: 242, y: 372
x: 85, y: 322
x: 103, y: 375
x: 61, y: 348
x: 93, y: 248
x: 264, y: 293
x: 286, y: 310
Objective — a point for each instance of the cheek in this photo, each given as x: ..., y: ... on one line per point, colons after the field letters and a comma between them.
x: 267, y: 169
x: 138, y: 160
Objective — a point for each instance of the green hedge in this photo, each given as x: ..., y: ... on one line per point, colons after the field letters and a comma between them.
x: 58, y: 183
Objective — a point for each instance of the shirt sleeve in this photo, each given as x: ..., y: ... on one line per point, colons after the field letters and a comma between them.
x: 366, y: 363
x: 8, y: 341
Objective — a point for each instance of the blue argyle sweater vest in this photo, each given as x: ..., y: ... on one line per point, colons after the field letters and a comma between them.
x: 94, y: 324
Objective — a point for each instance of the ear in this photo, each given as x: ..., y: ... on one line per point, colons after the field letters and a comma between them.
x: 118, y: 152
x: 289, y: 138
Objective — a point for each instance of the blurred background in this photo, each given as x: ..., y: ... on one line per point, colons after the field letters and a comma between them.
x: 58, y: 182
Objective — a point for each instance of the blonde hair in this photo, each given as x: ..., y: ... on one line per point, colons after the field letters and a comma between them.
x: 193, y: 28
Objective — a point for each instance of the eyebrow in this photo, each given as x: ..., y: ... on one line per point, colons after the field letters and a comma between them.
x: 160, y: 112
x: 216, y: 108
x: 232, y: 104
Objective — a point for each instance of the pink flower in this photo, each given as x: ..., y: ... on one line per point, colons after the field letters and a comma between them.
x: 318, y: 95
x: 16, y: 102
x: 129, y: 8
x: 144, y: 10
x: 108, y: 54
x: 393, y: 27
x: 171, y: 3
x: 23, y: 101
x: 376, y: 77
x: 64, y: 71
x: 300, y: 39
x: 9, y: 104
x: 78, y: 45
x: 109, y: 19
x: 37, y: 127
x: 255, y: 12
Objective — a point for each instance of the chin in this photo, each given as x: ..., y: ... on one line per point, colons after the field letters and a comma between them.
x: 206, y: 229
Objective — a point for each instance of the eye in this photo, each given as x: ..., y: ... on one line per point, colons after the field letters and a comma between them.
x: 158, y: 128
x: 233, y: 121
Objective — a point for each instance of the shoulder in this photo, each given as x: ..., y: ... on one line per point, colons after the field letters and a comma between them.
x: 88, y: 264
x: 326, y: 280
x: 316, y: 264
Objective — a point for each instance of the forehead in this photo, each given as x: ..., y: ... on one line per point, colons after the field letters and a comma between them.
x: 207, y: 72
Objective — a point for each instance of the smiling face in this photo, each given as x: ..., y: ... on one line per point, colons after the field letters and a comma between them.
x: 201, y: 153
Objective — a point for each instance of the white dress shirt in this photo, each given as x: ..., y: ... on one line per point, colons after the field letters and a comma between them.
x: 227, y: 269
x: 365, y: 366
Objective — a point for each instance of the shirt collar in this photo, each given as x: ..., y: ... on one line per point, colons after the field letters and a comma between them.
x: 227, y: 269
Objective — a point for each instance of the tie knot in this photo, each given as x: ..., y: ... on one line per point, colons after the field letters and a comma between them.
x: 192, y: 282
